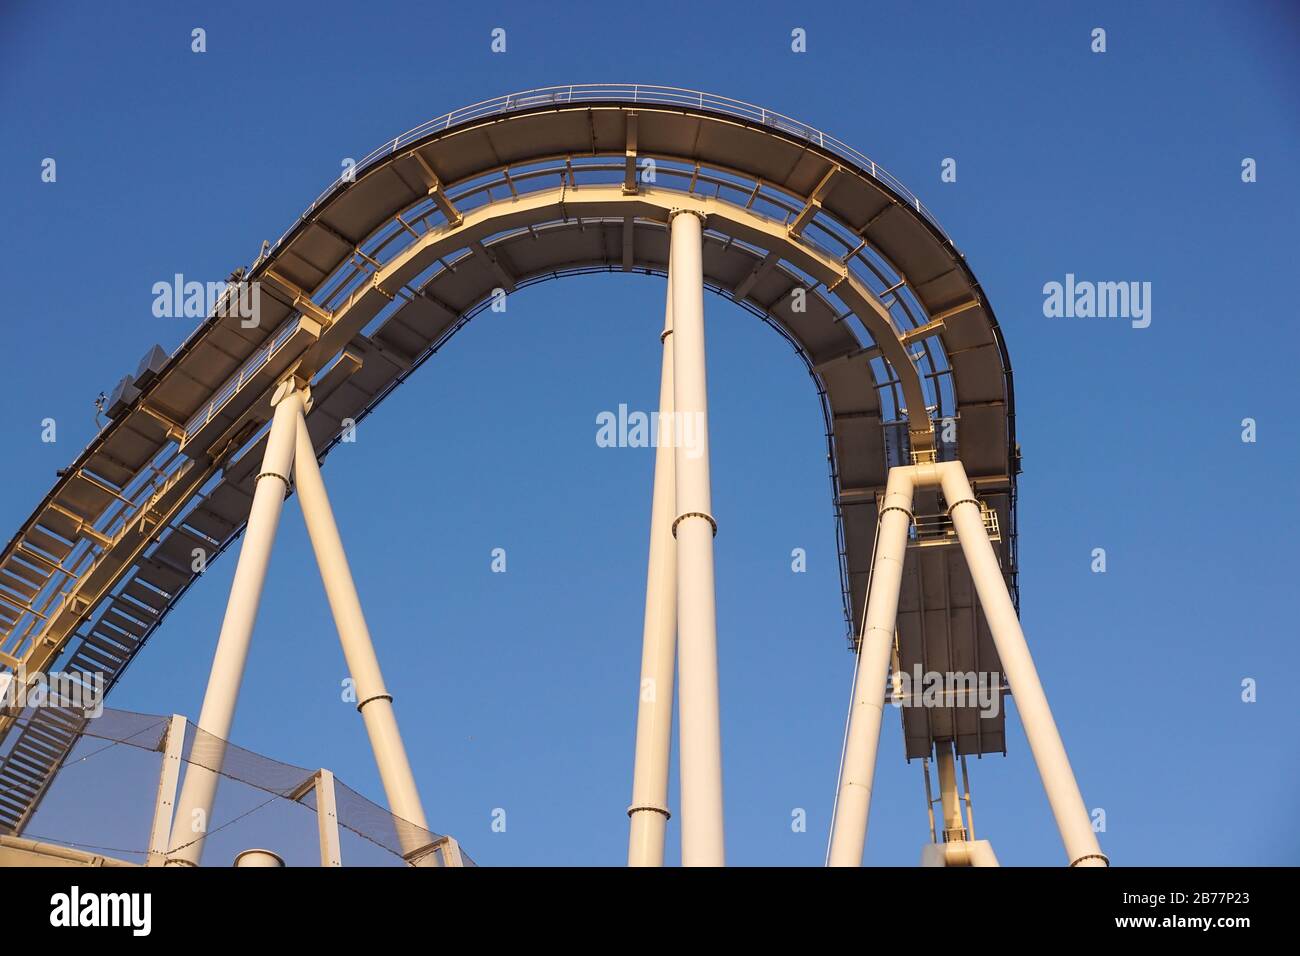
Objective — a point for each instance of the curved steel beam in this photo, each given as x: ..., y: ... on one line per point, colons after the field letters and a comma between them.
x: 734, y: 221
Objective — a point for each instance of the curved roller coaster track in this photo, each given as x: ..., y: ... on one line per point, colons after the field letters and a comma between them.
x: 386, y: 266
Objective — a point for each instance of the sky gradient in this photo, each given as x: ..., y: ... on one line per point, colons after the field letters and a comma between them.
x: 518, y: 690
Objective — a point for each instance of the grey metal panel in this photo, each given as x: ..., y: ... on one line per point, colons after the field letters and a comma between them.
x: 977, y: 375
x: 129, y: 446
x: 942, y: 631
x: 770, y: 158
x: 16, y: 585
x: 292, y: 265
x: 965, y: 330
x: 147, y: 595
x: 85, y: 498
x: 55, y: 521
x: 207, y: 522
x: 461, y: 154
x: 354, y: 214
x: 320, y: 250
x: 545, y: 134
x: 21, y: 569
x: 105, y: 465
x: 861, y: 450
x: 910, y: 245
x: 181, y: 395
x: 982, y: 438
x: 851, y: 387
x: 161, y: 576
x: 47, y: 543
x: 815, y: 328
x: 856, y: 201
x: 948, y: 290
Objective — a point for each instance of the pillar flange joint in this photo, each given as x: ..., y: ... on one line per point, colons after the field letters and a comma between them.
x: 674, y: 213
x: 695, y: 514
x: 373, y: 697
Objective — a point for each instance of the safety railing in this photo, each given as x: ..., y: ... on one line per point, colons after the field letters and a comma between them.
x: 929, y: 530
x: 637, y: 93
x: 246, y: 372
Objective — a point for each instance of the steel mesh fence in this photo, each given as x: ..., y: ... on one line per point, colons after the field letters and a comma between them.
x: 103, y: 799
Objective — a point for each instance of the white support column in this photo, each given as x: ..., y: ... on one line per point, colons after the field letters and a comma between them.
x: 697, y: 638
x: 959, y: 853
x: 954, y: 827
x: 654, y: 720
x: 1063, y: 794
x: 327, y: 819
x: 218, y: 711
x: 168, y: 777
x: 451, y: 855
x: 374, y: 702
x: 853, y: 802
x: 980, y: 853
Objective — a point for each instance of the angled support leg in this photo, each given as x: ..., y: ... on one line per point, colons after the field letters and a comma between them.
x: 1045, y: 742
x: 374, y: 702
x: 648, y: 814
x: 875, y: 649
x: 272, y: 484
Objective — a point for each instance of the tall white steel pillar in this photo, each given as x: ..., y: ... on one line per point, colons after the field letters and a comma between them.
x: 374, y: 701
x: 700, y: 733
x: 654, y: 719
x: 853, y: 801
x: 1045, y: 743
x: 271, y: 487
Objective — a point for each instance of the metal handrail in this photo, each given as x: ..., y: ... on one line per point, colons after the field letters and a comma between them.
x: 246, y: 371
x: 634, y: 93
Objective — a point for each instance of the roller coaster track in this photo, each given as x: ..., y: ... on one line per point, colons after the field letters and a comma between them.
x: 386, y: 266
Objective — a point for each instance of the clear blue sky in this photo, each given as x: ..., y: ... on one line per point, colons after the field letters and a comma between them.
x: 518, y: 690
